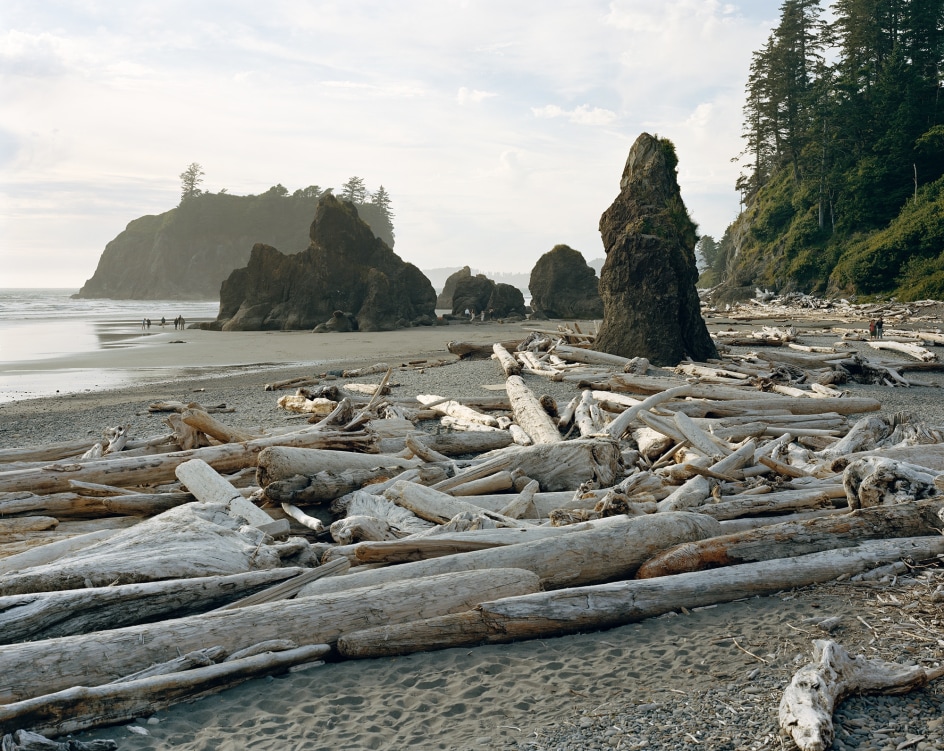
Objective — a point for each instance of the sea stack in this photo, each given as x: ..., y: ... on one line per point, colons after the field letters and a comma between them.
x: 345, y: 273
x: 650, y: 304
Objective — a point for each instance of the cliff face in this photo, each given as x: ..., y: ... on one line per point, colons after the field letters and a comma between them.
x: 187, y: 252
x: 345, y: 268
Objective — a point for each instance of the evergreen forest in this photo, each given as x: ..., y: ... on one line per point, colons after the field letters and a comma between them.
x: 842, y: 180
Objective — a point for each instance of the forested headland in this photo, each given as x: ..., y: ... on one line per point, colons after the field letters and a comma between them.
x: 187, y: 252
x: 842, y: 182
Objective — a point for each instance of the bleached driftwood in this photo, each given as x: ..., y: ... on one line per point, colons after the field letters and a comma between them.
x: 529, y: 414
x: 797, y: 538
x: 47, y: 615
x: 454, y: 409
x: 508, y: 363
x: 325, y: 486
x: 806, y: 709
x: 282, y: 462
x: 736, y: 507
x: 436, y: 506
x: 142, y: 470
x: 912, y: 350
x: 875, y: 480
x: 206, y: 423
x: 81, y: 708
x: 188, y: 541
x: 556, y: 466
x: 209, y: 487
x: 79, y: 660
x: 613, y: 550
x: 579, y: 608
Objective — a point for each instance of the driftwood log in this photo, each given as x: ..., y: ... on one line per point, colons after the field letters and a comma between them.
x: 33, y: 668
x: 607, y: 605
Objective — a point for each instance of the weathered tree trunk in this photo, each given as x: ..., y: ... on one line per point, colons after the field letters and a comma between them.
x: 47, y: 615
x: 453, y: 408
x: 607, y: 605
x: 609, y: 551
x: 281, y: 462
x: 875, y: 481
x: 507, y: 361
x: 797, y: 538
x: 94, y: 659
x: 436, y: 506
x: 188, y: 541
x: 324, y: 487
x: 529, y: 414
x: 736, y: 507
x: 81, y: 708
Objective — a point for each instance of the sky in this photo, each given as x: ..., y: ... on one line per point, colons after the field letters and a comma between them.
x: 499, y: 129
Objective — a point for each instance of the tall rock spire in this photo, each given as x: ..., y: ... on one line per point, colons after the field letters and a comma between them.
x: 650, y: 305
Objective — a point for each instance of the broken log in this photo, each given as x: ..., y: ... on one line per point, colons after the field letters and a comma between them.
x: 529, y: 414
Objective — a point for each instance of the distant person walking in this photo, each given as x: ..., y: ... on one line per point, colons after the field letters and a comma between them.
x: 872, y: 328
x: 880, y: 327
x: 163, y: 321
x: 181, y: 323
x: 143, y: 324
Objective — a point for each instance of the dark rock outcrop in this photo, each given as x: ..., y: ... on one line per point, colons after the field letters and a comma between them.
x: 345, y: 268
x: 563, y: 285
x: 650, y: 304
x: 187, y: 252
x: 444, y: 301
x: 478, y: 293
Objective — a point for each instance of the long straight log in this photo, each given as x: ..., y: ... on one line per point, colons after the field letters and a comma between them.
x: 79, y: 611
x: 610, y: 551
x: 797, y: 538
x: 507, y: 361
x: 157, y: 468
x: 33, y: 668
x: 82, y: 708
x: 436, y: 506
x: 577, y: 609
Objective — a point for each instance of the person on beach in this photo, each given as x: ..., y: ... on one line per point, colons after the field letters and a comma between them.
x: 879, y: 327
x: 143, y: 323
x: 181, y: 322
x: 163, y: 321
x: 871, y: 328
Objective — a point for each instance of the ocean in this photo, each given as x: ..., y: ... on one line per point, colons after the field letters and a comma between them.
x: 39, y: 325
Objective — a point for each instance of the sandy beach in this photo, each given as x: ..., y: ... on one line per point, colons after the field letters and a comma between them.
x: 709, y: 678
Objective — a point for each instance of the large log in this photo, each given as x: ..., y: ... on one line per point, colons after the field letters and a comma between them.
x: 83, y: 708
x: 607, y: 605
x: 46, y: 615
x: 529, y: 414
x: 806, y: 709
x: 507, y: 361
x: 453, y: 408
x: 875, y: 480
x: 610, y: 551
x: 797, y: 538
x: 33, y: 668
x: 158, y: 468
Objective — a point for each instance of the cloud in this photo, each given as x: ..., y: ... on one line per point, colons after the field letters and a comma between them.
x: 473, y: 96
x: 499, y: 129
x: 582, y: 115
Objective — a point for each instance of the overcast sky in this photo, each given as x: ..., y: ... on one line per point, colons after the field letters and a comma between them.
x: 498, y: 128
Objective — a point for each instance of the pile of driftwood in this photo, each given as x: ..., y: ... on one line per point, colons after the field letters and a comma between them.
x: 179, y: 565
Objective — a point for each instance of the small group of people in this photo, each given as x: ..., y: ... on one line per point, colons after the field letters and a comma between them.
x: 178, y: 322
x: 482, y: 315
x: 876, y: 328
